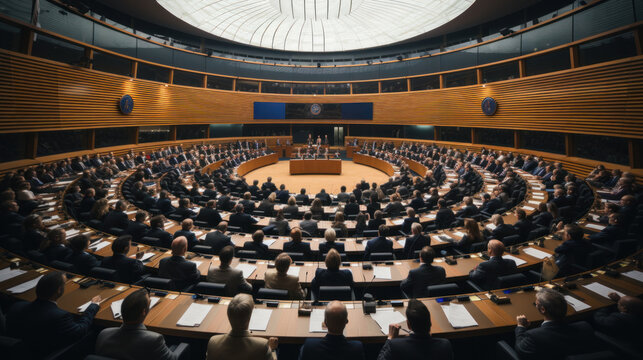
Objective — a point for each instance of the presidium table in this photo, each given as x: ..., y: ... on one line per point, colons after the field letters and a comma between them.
x: 320, y: 166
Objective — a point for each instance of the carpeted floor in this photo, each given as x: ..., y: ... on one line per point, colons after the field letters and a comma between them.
x: 351, y: 174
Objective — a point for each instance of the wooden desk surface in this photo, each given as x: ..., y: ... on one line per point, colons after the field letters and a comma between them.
x: 320, y: 166
x: 253, y: 164
x: 371, y: 161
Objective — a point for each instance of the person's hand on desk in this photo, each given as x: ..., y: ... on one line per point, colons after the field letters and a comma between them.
x: 273, y: 342
x: 522, y: 321
x: 614, y: 296
x: 97, y: 299
x: 393, y: 331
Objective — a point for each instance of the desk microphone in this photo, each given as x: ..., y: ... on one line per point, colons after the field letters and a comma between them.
x: 368, y: 302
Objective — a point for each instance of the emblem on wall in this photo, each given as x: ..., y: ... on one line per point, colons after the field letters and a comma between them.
x: 315, y: 109
x: 489, y: 106
x: 126, y: 104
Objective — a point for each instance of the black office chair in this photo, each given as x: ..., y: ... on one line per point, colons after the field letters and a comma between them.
x: 537, y: 232
x: 158, y: 283
x: 272, y: 294
x: 103, y: 273
x: 342, y: 293
x: 151, y: 241
x: 513, y: 280
x: 202, y: 224
x: 296, y: 256
x: 442, y: 290
x: 236, y: 229
x: 61, y: 265
x: 382, y: 256
x: 247, y: 254
x: 511, y: 240
x: 208, y: 288
x: 370, y: 233
x: 203, y: 249
x: 478, y: 247
x: 116, y: 231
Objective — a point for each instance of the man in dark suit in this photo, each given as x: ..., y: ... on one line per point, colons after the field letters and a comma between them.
x: 82, y: 260
x: 42, y: 325
x: 612, y: 232
x: 490, y: 205
x: 268, y: 186
x: 419, y: 345
x: 186, y: 231
x: 128, y: 270
x: 468, y: 210
x: 257, y: 245
x: 296, y: 245
x: 414, y: 286
x: 352, y: 208
x: 132, y: 340
x: 417, y: 202
x: 554, y: 339
x: 184, y: 210
x: 332, y: 275
x: 343, y: 196
x: 305, y: 200
x: 157, y: 224
x: 486, y: 274
x: 334, y: 346
x: 181, y: 271
x: 523, y: 226
x: 324, y: 197
x: 164, y: 203
x: 625, y: 321
x: 137, y: 228
x: 217, y: 239
x: 379, y: 244
x: 241, y: 220
x: 116, y: 218
x: 209, y: 214
x: 409, y: 220
x: 308, y: 224
x: 445, y: 216
x: 573, y: 250
x: 501, y: 230
x: 415, y: 242
x: 282, y: 194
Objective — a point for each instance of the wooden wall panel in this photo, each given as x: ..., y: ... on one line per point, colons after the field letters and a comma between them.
x: 605, y: 99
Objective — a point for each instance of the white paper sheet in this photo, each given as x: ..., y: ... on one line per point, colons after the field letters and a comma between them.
x: 402, y: 242
x: 536, y: 253
x: 634, y: 274
x: 198, y: 263
x: 116, y: 306
x: 459, y: 233
x: 8, y: 273
x: 398, y: 221
x: 576, y: 304
x: 430, y: 216
x: 100, y: 245
x: 517, y: 260
x: 595, y: 227
x: 385, y: 317
x: 269, y: 242
x: 601, y: 289
x: 259, y: 319
x: 194, y: 315
x: 316, y: 320
x: 247, y: 269
x: 25, y: 286
x: 458, y: 316
x: 533, y: 202
x: 294, y: 270
x: 491, y: 227
x: 382, y: 272
x: 528, y: 208
x: 146, y: 256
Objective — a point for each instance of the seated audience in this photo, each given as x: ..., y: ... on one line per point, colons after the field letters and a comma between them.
x: 278, y: 278
x: 257, y: 245
x: 231, y: 277
x: 624, y: 322
x: 472, y: 235
x: 137, y: 228
x: 612, y: 232
x: 486, y: 274
x: 414, y: 286
x: 280, y: 223
x: 128, y: 270
x: 209, y: 214
x: 330, y: 236
x: 157, y: 223
x: 186, y: 227
x: 218, y: 239
x: 409, y: 220
x: 468, y: 210
x: 296, y: 245
x: 55, y: 248
x: 181, y: 271
x: 241, y: 220
x: 116, y: 218
x: 573, y: 250
x: 379, y: 244
x: 308, y: 224
x: 445, y: 216
x: 332, y: 275
x: 82, y: 260
x: 523, y: 226
x: 415, y: 242
x: 500, y: 229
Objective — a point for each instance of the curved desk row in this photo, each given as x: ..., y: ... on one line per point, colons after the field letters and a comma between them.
x: 382, y: 165
x: 319, y: 166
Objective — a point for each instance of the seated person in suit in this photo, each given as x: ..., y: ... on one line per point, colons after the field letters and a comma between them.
x: 468, y: 210
x: 501, y: 230
x: 445, y: 216
x: 128, y: 270
x: 542, y: 217
x: 217, y: 239
x: 184, y: 209
x: 339, y: 225
x: 308, y: 224
x: 486, y: 274
x: 248, y: 203
x: 42, y: 325
x: 559, y: 198
x: 523, y: 226
x: 181, y: 271
x: 257, y: 245
x: 343, y: 196
x: 186, y: 227
x: 278, y: 278
x: 324, y: 197
x: 414, y: 286
x: 379, y: 244
x: 137, y: 228
x: 164, y: 203
x: 418, y: 201
x: 317, y: 209
x: 116, y: 218
x: 352, y: 208
x: 409, y: 220
x: 132, y: 340
x: 394, y: 207
x: 472, y: 235
x: 333, y: 346
x: 554, y: 339
x: 305, y: 200
x: 332, y: 275
x: 292, y: 209
x: 573, y: 250
x: 157, y: 224
x: 34, y: 234
x: 612, y: 232
x: 280, y: 223
x: 209, y: 214
x: 232, y: 278
x: 55, y: 248
x: 295, y: 245
x: 268, y: 205
x: 419, y: 345
x: 624, y: 322
x: 489, y: 204
x: 238, y: 343
x: 415, y: 242
x: 241, y: 220
x: 330, y: 243
x: 83, y: 261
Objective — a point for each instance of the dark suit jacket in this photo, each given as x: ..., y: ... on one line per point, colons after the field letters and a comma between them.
x: 244, y: 221
x: 543, y: 219
x: 217, y: 241
x: 261, y: 249
x: 210, y: 216
x: 501, y: 231
x: 137, y: 230
x: 610, y: 234
x: 377, y: 245
x: 332, y: 347
x: 486, y: 274
x: 418, y: 279
x: 189, y: 235
x: 128, y: 270
x: 620, y: 325
x: 57, y: 252
x: 325, y: 277
x: 416, y: 347
x: 44, y: 327
x: 351, y: 209
x: 553, y: 340
x: 164, y: 236
x: 406, y: 225
x: 83, y: 262
x: 413, y: 243
x: 523, y: 227
x: 115, y: 219
x: 165, y: 205
x: 444, y: 218
x: 181, y: 271
x: 467, y: 211
x: 302, y: 247
x: 374, y: 224
x: 324, y: 247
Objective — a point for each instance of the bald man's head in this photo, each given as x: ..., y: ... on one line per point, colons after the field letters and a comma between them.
x: 630, y: 305
x: 179, y: 246
x: 495, y: 248
x: 335, y: 317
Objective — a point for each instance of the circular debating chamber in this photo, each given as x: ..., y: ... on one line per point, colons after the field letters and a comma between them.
x: 321, y: 179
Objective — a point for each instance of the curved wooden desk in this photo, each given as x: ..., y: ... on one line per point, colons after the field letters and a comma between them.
x: 374, y: 162
x: 320, y: 166
x: 253, y: 164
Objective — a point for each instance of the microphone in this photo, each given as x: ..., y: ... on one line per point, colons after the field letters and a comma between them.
x: 368, y: 302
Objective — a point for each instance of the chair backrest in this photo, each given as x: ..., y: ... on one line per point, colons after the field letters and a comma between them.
x: 177, y: 217
x: 151, y: 241
x: 296, y: 256
x: 443, y: 290
x: 273, y: 294
x: 370, y: 233
x: 116, y: 231
x: 158, y: 283
x: 343, y: 293
x: 208, y: 288
x: 203, y: 249
x: 103, y: 273
x: 537, y: 232
x: 511, y: 240
x: 507, y: 281
x: 477, y: 247
x: 61, y: 265
x: 625, y: 247
x: 247, y: 254
x: 98, y: 357
x: 234, y: 229
x: 382, y: 256
x: 199, y: 223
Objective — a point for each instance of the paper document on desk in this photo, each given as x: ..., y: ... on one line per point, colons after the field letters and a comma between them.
x: 247, y: 269
x: 259, y: 319
x: 490, y: 227
x: 100, y: 245
x: 459, y: 234
x: 382, y: 272
x: 9, y: 273
x: 458, y: 316
x: 386, y: 317
x: 316, y: 321
x: 25, y: 286
x: 517, y: 260
x: 576, y: 304
x: 634, y: 274
x: 145, y: 257
x: 402, y: 242
x: 198, y: 263
x: 116, y: 306
x: 595, y: 226
x: 536, y: 253
x: 528, y: 208
x: 269, y: 242
x: 601, y: 289
x: 398, y: 222
x: 294, y: 270
x: 194, y: 315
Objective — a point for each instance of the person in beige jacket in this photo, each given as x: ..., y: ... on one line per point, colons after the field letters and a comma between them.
x: 238, y: 344
x: 278, y: 278
x: 224, y: 274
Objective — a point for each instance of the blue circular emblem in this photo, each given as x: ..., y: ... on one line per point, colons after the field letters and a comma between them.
x: 126, y: 104
x: 315, y: 109
x: 489, y: 106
